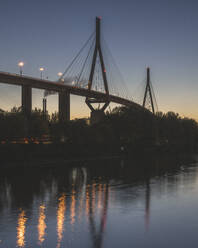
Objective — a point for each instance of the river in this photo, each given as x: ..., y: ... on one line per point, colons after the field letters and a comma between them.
x: 114, y: 203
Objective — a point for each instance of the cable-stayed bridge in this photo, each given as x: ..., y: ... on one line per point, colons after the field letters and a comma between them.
x: 93, y: 74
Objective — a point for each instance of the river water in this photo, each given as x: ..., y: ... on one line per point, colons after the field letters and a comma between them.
x: 139, y: 203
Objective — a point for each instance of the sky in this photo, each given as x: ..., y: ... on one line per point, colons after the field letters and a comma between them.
x: 161, y: 34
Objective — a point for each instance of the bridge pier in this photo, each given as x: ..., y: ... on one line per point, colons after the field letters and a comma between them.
x: 96, y: 116
x: 64, y: 106
x: 26, y: 98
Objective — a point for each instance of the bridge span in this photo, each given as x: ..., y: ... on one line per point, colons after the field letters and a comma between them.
x: 63, y: 90
x: 92, y: 76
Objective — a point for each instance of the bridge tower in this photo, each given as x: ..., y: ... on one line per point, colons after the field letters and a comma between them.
x: 97, y: 114
x: 148, y: 95
x: 64, y: 106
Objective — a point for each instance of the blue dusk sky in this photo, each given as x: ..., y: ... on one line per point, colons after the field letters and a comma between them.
x: 161, y: 34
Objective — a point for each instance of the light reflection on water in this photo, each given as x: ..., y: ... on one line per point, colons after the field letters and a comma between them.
x: 61, y: 218
x: 21, y: 226
x: 41, y: 224
x: 73, y: 207
x: 85, y: 207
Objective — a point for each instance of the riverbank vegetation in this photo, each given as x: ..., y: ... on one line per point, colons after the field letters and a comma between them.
x: 122, y: 127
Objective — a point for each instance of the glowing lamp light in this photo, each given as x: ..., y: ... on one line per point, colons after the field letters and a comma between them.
x: 21, y: 64
x: 60, y: 74
x: 41, y: 69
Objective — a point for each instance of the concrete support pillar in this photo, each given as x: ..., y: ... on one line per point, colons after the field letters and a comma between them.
x: 26, y: 100
x: 96, y: 116
x: 64, y: 106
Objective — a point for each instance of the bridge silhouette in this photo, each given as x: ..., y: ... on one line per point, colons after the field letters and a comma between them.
x: 94, y: 86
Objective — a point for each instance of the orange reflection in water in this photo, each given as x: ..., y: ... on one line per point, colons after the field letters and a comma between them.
x: 93, y: 196
x: 61, y: 218
x: 80, y: 208
x: 99, y: 196
x: 41, y: 224
x: 73, y: 206
x: 21, y: 229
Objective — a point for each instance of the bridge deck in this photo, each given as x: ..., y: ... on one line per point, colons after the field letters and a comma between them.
x: 15, y: 79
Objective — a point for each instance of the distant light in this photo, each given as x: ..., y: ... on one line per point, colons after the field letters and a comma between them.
x: 104, y: 70
x: 60, y: 74
x: 21, y: 64
x: 99, y: 17
x: 41, y: 69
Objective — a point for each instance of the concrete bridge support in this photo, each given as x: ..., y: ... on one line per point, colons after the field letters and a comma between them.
x: 64, y: 106
x: 26, y: 100
x: 96, y: 116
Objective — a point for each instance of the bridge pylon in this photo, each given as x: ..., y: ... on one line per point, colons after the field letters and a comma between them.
x: 148, y: 94
x: 64, y: 106
x: 97, y: 114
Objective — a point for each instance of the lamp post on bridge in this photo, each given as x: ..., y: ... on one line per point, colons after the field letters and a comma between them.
x: 21, y: 64
x: 41, y: 69
x: 60, y: 74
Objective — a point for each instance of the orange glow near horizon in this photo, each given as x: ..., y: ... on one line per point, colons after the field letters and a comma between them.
x: 11, y: 96
x: 21, y: 229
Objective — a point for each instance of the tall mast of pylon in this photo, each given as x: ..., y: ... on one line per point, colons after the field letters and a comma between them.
x: 148, y: 92
x: 98, y: 52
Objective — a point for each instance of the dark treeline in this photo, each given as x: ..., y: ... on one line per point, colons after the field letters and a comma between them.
x: 127, y: 127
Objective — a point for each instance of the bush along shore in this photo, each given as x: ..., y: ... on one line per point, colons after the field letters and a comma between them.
x: 122, y: 132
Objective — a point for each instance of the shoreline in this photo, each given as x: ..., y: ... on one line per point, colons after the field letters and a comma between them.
x: 64, y: 155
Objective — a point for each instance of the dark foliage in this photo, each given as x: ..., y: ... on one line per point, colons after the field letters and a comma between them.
x: 122, y: 126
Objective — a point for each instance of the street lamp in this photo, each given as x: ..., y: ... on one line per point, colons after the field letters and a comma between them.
x: 21, y: 64
x: 60, y: 74
x: 41, y: 69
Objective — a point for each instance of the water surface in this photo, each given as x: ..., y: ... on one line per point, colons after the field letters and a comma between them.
x: 101, y: 204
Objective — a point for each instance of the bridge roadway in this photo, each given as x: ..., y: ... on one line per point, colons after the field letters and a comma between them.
x: 15, y: 79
